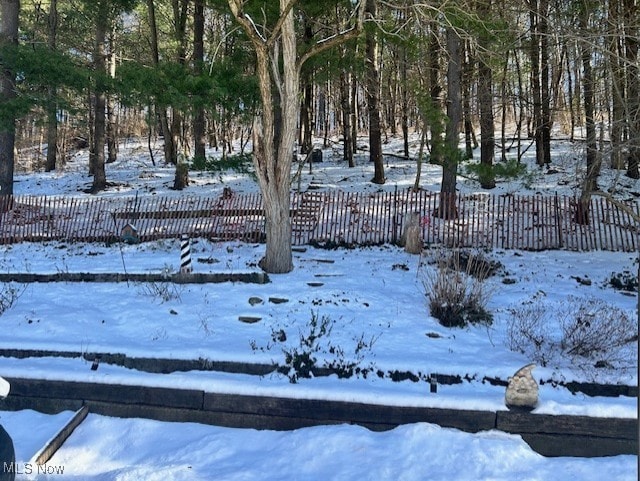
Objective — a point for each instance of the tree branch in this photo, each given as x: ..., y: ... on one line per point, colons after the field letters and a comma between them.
x: 337, y: 39
x: 619, y: 204
x: 278, y: 26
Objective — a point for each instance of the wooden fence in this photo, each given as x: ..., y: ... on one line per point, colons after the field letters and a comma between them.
x: 482, y: 220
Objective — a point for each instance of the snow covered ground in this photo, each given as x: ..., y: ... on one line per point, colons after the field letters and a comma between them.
x: 372, y: 297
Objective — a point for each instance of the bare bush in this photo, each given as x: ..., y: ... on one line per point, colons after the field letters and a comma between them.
x: 596, y: 329
x: 587, y: 332
x: 164, y: 291
x: 528, y: 332
x: 9, y: 294
x: 456, y: 288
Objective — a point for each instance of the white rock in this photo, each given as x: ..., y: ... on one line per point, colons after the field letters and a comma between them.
x: 522, y: 391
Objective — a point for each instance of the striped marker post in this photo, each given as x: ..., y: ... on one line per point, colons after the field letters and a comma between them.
x: 185, y: 255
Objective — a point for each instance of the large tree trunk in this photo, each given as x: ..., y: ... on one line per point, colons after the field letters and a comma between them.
x: 278, y: 65
x: 52, y: 108
x: 447, y: 208
x: 273, y: 151
x: 199, y: 134
x: 99, y: 125
x: 373, y: 98
x: 9, y: 10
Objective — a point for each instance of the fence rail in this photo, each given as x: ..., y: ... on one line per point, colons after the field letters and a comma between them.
x: 482, y: 220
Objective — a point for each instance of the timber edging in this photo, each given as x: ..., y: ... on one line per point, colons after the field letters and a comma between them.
x: 550, y: 435
x: 157, y: 365
x: 177, y: 278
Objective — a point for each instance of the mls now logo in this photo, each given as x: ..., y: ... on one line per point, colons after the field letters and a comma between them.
x: 31, y: 468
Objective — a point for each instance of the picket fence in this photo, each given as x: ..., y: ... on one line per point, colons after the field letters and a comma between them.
x: 528, y: 222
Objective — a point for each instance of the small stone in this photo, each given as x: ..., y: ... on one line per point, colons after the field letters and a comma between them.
x: 315, y: 284
x: 278, y: 300
x: 255, y: 301
x: 508, y: 280
x: 249, y: 319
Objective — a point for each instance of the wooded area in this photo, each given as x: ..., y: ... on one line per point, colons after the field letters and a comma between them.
x: 206, y: 73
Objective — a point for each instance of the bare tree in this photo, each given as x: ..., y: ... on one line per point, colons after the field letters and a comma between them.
x: 278, y: 65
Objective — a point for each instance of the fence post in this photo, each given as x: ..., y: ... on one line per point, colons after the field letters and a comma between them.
x: 558, y: 221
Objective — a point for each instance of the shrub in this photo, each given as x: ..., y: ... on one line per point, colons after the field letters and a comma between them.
x: 456, y: 289
x: 9, y: 295
x: 508, y: 170
x: 624, y: 281
x: 164, y: 291
x: 238, y: 163
x: 586, y: 332
x: 303, y: 359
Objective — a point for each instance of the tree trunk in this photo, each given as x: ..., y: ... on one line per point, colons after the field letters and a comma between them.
x: 545, y: 96
x: 278, y: 65
x: 405, y: 102
x: 306, y: 103
x: 447, y: 208
x: 345, y: 105
x: 9, y: 10
x: 467, y: 75
x: 485, y: 104
x: 52, y: 108
x: 588, y: 88
x: 170, y: 151
x: 373, y: 98
x: 99, y: 125
x: 617, y: 85
x: 435, y: 90
x: 633, y: 82
x: 199, y: 134
x: 536, y: 88
x: 180, y: 11
x: 112, y: 113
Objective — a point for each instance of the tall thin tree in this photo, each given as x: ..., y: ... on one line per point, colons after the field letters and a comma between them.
x: 52, y: 108
x: 451, y: 154
x: 373, y: 94
x: 9, y: 11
